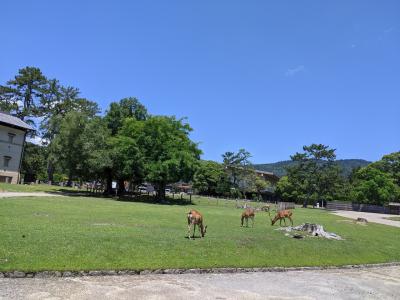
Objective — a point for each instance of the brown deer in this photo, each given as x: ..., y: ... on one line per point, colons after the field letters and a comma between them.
x: 281, y: 215
x: 195, y: 218
x: 248, y: 214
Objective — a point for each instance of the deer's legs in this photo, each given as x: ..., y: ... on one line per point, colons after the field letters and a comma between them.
x: 291, y: 220
x: 252, y: 221
x: 194, y: 229
x: 189, y: 230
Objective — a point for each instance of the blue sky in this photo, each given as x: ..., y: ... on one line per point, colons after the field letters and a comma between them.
x: 267, y: 76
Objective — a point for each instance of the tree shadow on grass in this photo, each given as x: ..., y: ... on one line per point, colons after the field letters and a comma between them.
x: 153, y: 200
x: 124, y: 198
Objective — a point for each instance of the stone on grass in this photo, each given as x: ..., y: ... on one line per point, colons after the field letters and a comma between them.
x: 313, y: 230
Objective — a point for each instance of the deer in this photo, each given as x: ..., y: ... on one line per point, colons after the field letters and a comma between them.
x: 248, y: 213
x: 281, y: 215
x: 195, y: 218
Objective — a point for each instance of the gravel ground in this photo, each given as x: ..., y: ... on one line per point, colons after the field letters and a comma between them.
x: 371, y: 217
x: 372, y: 283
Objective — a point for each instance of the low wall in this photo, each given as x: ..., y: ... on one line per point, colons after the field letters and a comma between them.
x: 342, y: 205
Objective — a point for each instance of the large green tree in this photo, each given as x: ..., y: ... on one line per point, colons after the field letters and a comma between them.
x: 125, y: 108
x: 315, y: 175
x: 168, y: 153
x: 56, y: 103
x: 68, y: 145
x: 22, y: 95
x: 390, y: 164
x: 123, y: 149
x: 207, y: 177
x: 373, y: 186
x: 33, y: 165
x: 237, y: 165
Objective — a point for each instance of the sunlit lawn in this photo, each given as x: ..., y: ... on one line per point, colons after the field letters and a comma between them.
x: 77, y: 233
x: 6, y: 187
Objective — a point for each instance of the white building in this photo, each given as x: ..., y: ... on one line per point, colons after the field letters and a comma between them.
x: 12, y: 139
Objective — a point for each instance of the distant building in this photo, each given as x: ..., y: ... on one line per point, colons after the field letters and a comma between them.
x: 268, y: 176
x: 12, y: 140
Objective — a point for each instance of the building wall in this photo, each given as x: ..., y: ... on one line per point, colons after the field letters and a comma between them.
x: 12, y: 150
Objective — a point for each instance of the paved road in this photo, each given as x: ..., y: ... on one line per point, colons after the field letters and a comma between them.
x: 371, y: 217
x: 372, y: 283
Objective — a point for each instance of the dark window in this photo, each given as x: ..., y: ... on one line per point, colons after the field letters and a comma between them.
x: 5, y: 179
x: 6, y: 161
x: 11, y: 137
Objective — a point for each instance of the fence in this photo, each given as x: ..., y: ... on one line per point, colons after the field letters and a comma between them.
x: 341, y: 205
x: 285, y: 205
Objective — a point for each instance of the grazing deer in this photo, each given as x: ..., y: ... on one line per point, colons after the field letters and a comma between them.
x: 195, y: 218
x: 281, y: 215
x: 265, y: 208
x: 248, y: 213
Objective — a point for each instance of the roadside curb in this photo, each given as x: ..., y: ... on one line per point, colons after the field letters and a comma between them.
x: 55, y: 274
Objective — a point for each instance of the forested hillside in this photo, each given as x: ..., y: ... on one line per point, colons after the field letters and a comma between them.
x: 278, y: 168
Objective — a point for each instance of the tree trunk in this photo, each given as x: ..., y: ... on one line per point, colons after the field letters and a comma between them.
x: 50, y: 171
x: 161, y: 191
x: 108, y: 189
x: 121, y: 187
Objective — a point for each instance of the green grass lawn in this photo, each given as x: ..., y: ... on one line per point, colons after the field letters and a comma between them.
x: 7, y: 187
x: 82, y: 233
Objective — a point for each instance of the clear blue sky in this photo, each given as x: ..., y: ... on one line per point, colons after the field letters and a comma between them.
x: 267, y: 76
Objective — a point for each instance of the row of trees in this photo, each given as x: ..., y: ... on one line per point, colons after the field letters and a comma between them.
x: 235, y: 177
x: 315, y: 176
x: 126, y: 144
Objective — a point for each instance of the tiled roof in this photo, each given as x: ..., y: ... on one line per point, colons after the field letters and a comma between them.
x: 14, y: 121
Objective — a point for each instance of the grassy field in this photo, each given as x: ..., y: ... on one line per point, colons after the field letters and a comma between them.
x: 83, y: 233
x: 7, y: 187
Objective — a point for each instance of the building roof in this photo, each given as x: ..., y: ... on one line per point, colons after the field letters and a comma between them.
x: 267, y: 174
x: 11, y: 121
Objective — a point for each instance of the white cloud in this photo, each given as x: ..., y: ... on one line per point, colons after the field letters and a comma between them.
x: 294, y: 71
x: 37, y: 140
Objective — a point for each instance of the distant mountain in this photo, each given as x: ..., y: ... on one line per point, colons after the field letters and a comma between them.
x: 278, y: 168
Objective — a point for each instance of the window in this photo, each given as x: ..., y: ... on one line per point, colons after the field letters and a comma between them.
x: 6, y: 161
x: 11, y: 137
x: 5, y: 179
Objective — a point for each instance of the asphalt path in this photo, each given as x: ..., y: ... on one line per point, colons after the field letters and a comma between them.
x: 370, y: 283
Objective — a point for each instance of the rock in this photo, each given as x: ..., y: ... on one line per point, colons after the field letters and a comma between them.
x: 30, y: 275
x: 110, y: 272
x: 1, y: 275
x: 146, y: 272
x: 17, y: 274
x: 95, y: 273
x: 192, y: 271
x: 67, y: 274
